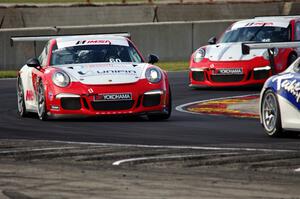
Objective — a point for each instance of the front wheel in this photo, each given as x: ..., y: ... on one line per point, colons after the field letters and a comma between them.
x: 21, y: 101
x: 41, y: 100
x: 166, y: 115
x: 270, y: 112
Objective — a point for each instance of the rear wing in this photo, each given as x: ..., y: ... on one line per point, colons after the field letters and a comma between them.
x: 49, y: 37
x: 246, y: 47
x: 36, y: 39
x: 270, y: 46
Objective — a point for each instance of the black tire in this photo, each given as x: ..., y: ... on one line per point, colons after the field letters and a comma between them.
x: 291, y: 59
x: 41, y: 102
x: 163, y: 116
x: 21, y: 101
x: 270, y: 113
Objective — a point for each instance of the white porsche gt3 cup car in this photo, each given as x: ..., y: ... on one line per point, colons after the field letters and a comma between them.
x: 280, y: 96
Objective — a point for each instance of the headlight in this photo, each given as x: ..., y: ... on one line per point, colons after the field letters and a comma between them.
x: 266, y: 54
x: 61, y: 79
x: 199, y: 55
x: 153, y: 75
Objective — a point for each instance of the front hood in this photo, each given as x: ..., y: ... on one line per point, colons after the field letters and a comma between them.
x: 105, y: 73
x: 230, y: 52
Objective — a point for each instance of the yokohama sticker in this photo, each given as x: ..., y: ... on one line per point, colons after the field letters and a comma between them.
x: 113, y: 97
x: 229, y: 71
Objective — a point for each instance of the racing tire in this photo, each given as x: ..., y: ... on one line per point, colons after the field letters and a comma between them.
x: 163, y: 116
x: 270, y: 113
x: 291, y: 59
x: 20, y: 97
x: 41, y: 102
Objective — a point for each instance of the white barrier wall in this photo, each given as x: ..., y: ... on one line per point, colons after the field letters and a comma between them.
x: 170, y: 41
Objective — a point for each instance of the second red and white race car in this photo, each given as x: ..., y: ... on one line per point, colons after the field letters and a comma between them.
x: 92, y: 75
x: 221, y: 63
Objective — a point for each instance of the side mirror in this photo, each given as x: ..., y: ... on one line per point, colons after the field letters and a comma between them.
x: 212, y: 40
x: 152, y: 59
x: 33, y: 62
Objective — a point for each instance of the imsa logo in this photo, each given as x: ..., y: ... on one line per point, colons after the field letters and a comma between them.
x: 113, y: 97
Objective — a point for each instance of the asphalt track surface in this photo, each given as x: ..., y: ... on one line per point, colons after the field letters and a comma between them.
x: 182, y: 129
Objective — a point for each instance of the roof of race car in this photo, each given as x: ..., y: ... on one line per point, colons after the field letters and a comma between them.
x: 68, y: 41
x: 275, y: 21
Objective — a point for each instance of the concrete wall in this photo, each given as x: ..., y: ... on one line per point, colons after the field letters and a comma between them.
x: 33, y: 16
x: 218, y: 11
x: 61, y: 16
x: 171, y: 41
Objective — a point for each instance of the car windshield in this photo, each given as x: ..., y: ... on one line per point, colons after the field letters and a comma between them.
x: 257, y: 34
x: 94, y: 54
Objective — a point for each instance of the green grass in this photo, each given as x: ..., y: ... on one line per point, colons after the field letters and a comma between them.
x: 174, y: 66
x: 8, y: 73
x: 168, y: 66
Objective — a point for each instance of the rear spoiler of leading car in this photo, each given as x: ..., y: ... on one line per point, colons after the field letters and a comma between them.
x: 270, y: 46
x: 35, y: 39
x: 48, y: 37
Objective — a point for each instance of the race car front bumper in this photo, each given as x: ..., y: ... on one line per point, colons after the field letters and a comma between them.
x: 145, y: 98
x: 206, y: 77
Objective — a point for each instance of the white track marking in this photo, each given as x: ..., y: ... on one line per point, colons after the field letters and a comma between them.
x: 180, y: 107
x: 117, y: 163
x: 297, y: 170
x: 166, y: 146
x: 36, y: 150
x: 144, y: 146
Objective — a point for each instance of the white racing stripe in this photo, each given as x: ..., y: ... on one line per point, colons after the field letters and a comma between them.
x: 119, y: 162
x: 297, y: 170
x: 180, y: 108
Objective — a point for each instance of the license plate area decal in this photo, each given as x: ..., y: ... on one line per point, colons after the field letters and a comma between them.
x: 113, y: 97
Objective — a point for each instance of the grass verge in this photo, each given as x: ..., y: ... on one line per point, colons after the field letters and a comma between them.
x: 174, y: 66
x: 8, y: 73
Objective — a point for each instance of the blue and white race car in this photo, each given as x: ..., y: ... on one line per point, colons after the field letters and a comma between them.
x: 280, y: 102
x: 280, y: 96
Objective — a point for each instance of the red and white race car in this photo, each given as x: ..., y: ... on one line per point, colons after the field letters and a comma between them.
x: 221, y: 63
x: 92, y: 75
